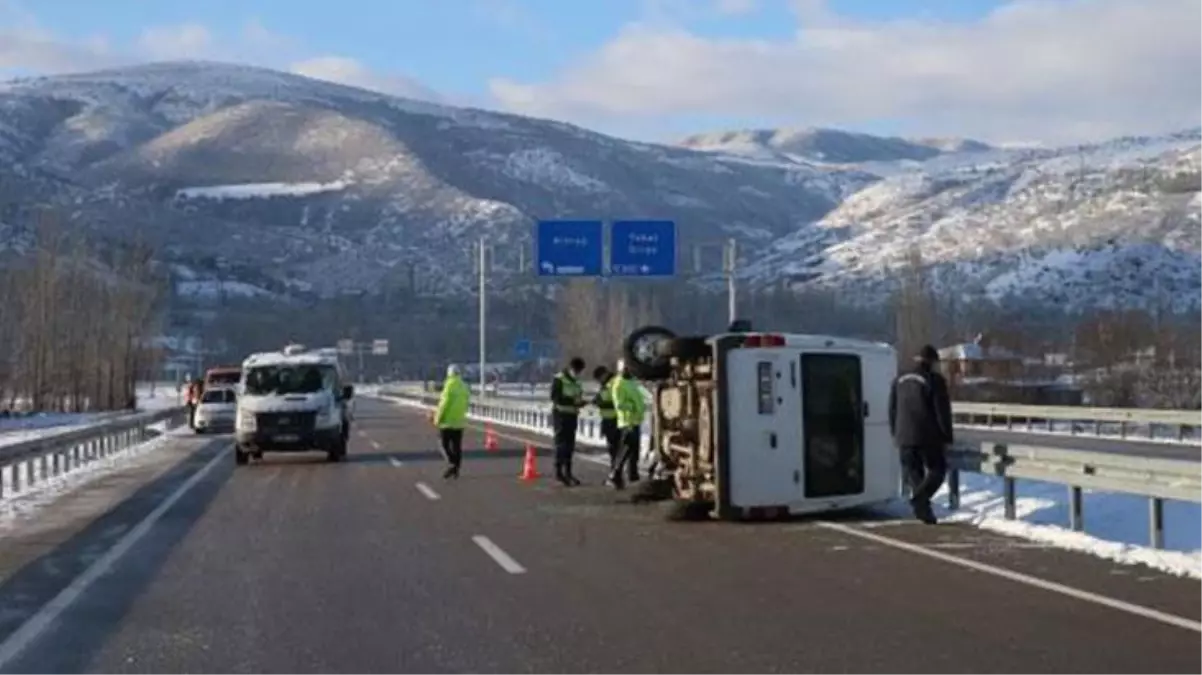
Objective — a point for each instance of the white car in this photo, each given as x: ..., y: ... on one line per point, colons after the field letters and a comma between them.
x: 216, y: 411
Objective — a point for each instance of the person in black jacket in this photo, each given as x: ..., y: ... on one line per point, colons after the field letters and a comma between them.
x: 920, y: 419
x: 567, y: 398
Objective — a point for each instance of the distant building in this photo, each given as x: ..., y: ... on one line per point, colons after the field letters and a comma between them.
x: 980, y: 371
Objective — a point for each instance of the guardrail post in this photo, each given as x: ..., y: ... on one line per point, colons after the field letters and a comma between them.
x: 31, y: 475
x: 1075, y: 511
x: 1008, y: 497
x: 16, y: 469
x: 953, y: 488
x: 1156, y: 521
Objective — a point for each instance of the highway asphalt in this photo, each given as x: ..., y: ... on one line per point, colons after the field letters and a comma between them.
x: 378, y: 565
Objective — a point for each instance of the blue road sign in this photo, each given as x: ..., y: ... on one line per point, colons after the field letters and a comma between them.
x: 522, y: 349
x: 569, y: 248
x: 642, y: 248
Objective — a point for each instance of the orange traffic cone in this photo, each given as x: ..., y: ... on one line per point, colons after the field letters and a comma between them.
x: 530, y: 466
x: 490, y: 439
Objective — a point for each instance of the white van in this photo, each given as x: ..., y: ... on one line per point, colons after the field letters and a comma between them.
x: 294, y: 400
x: 215, y: 411
x: 754, y: 424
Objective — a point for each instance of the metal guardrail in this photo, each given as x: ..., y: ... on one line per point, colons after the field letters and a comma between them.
x: 1180, y: 426
x: 51, y: 456
x: 1079, y: 470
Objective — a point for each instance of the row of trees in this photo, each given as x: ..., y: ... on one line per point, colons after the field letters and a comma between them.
x: 73, y: 326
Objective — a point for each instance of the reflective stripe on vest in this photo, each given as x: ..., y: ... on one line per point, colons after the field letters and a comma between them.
x: 605, y: 403
x: 569, y: 389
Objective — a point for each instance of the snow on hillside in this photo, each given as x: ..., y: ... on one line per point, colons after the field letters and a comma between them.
x: 259, y: 190
x: 1110, y: 225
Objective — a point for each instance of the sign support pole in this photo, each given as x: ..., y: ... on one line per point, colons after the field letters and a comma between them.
x: 732, y: 297
x: 483, y: 314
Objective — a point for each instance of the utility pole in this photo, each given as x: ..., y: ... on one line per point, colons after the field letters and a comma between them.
x: 732, y: 297
x: 483, y: 252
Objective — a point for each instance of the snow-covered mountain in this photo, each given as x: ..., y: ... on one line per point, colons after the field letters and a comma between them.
x: 828, y: 146
x: 1111, y: 224
x: 304, y: 184
x: 272, y: 183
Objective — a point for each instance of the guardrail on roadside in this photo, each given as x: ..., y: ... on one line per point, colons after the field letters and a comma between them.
x: 53, y: 455
x: 1180, y: 426
x: 1153, y: 478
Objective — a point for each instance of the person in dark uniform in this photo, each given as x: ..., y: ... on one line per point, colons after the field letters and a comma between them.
x: 920, y: 419
x: 567, y: 398
x: 604, y: 400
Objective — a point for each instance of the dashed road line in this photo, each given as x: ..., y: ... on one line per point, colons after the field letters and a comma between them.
x: 395, y: 462
x: 499, y: 556
x: 427, y: 491
x: 375, y: 445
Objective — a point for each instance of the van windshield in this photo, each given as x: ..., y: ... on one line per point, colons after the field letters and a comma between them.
x: 290, y: 379
x: 218, y: 396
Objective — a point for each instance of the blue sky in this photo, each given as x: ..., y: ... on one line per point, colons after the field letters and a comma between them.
x: 458, y: 45
x: 749, y: 62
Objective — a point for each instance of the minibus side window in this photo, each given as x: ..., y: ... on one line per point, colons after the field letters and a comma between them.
x: 763, y: 372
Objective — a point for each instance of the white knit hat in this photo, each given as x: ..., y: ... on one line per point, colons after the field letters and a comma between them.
x: 452, y: 370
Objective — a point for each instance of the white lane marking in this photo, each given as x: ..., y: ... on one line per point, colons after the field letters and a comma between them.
x: 362, y: 433
x: 33, y: 628
x: 375, y: 445
x: 395, y: 462
x: 500, y: 557
x: 427, y: 491
x: 1130, y: 608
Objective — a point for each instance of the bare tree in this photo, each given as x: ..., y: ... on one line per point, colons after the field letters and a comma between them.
x: 913, y: 307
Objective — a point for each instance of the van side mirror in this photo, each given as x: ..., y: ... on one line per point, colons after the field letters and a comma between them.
x: 348, y: 392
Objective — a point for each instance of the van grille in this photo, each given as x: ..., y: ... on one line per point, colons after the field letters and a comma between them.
x: 286, y: 421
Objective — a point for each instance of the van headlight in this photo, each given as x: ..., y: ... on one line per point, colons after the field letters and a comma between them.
x: 325, y: 417
x: 244, y: 421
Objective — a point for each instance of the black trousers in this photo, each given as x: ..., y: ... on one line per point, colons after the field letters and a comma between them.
x: 613, y: 439
x: 632, y: 441
x: 925, y: 467
x: 452, y: 446
x: 565, y: 439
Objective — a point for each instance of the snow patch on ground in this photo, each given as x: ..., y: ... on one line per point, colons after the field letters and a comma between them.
x: 260, y: 190
x: 47, y: 488
x: 1116, y: 525
x: 26, y: 428
x: 215, y: 289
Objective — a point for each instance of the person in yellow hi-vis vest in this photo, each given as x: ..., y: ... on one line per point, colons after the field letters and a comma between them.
x: 631, y: 407
x: 451, y: 417
x: 604, y: 400
x: 567, y: 398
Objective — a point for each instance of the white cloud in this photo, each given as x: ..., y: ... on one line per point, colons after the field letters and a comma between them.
x: 26, y: 48
x: 184, y: 41
x: 735, y: 7
x: 348, y: 71
x: 1031, y: 69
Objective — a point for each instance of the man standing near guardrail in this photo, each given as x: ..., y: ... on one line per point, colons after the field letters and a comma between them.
x: 631, y: 407
x: 451, y: 417
x: 567, y: 398
x: 604, y: 400
x: 920, y: 419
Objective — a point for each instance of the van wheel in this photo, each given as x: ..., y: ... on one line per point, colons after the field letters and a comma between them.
x: 642, y: 352
x: 241, y: 457
x: 338, y: 452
